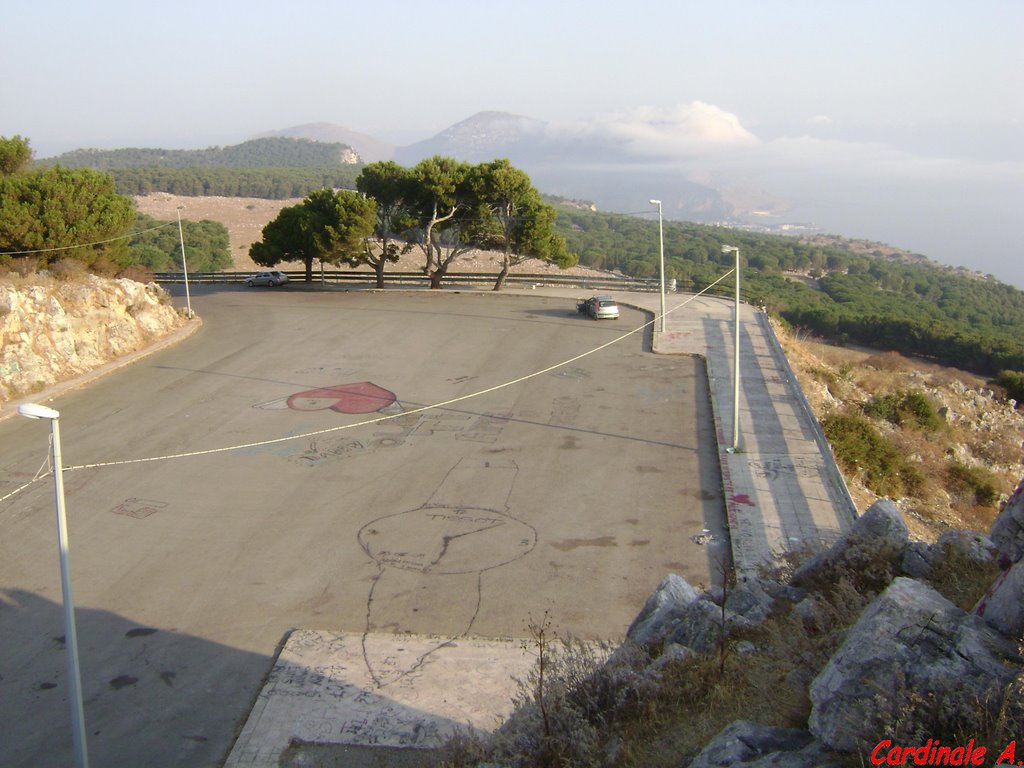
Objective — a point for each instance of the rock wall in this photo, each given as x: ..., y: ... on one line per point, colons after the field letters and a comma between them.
x: 52, y: 330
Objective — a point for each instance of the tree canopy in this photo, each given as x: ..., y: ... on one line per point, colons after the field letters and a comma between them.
x: 327, y: 225
x: 158, y: 247
x: 520, y: 223
x: 57, y: 213
x: 15, y: 155
x: 391, y: 186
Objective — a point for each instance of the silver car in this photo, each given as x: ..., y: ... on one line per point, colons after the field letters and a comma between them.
x: 599, y: 308
x: 273, y: 279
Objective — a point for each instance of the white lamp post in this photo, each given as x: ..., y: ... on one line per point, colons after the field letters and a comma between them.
x: 661, y: 256
x: 34, y: 411
x: 184, y: 265
x: 736, y: 354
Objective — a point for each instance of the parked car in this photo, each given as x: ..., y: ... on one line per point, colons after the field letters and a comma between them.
x: 273, y: 279
x: 599, y: 307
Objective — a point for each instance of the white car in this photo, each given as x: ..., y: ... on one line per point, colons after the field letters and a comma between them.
x: 273, y: 279
x: 599, y: 308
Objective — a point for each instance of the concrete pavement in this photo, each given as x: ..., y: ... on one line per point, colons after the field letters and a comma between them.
x: 782, y: 490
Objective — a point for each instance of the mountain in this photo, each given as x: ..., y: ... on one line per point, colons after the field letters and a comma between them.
x: 369, y: 149
x: 256, y: 153
x: 482, y: 137
x: 577, y: 162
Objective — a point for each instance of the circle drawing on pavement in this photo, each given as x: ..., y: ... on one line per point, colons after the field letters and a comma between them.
x: 447, y: 540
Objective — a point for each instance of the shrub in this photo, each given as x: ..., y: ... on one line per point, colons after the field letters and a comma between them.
x: 138, y: 273
x: 903, y: 409
x: 976, y: 484
x: 1013, y: 383
x: 68, y: 269
x: 862, y: 450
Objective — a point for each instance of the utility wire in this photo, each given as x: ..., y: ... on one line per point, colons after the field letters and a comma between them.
x: 378, y: 419
x: 88, y: 245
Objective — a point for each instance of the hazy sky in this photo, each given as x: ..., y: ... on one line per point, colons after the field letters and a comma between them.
x: 925, y: 90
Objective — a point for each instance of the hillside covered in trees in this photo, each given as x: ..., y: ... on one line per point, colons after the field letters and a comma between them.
x: 258, y: 153
x: 270, y: 168
x: 909, y: 305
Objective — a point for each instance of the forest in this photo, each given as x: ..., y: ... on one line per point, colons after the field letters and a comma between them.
x: 912, y: 306
x: 257, y: 153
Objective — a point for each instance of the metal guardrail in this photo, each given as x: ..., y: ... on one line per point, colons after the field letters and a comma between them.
x: 419, y: 278
x: 609, y: 283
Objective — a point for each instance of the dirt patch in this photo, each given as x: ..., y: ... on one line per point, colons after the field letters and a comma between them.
x: 245, y: 217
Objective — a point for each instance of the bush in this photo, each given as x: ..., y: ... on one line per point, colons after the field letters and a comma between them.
x: 68, y: 269
x: 977, y: 485
x: 861, y: 450
x: 138, y: 273
x: 903, y: 409
x: 1013, y: 383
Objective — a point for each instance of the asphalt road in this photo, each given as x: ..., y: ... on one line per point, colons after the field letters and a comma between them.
x: 574, y: 492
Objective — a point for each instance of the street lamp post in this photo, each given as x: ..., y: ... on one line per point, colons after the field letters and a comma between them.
x: 184, y: 265
x: 736, y: 354
x: 661, y: 262
x: 34, y: 411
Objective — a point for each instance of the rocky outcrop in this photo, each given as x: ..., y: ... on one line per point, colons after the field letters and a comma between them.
x: 759, y: 746
x: 54, y: 330
x: 910, y: 655
x: 1008, y: 529
x: 878, y: 536
x: 909, y: 641
x: 664, y: 607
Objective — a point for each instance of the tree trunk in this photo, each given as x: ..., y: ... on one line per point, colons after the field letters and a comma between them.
x: 436, y: 277
x: 309, y: 269
x: 379, y: 269
x: 500, y: 282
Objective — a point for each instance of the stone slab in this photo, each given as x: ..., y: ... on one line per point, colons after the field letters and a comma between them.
x: 322, y: 689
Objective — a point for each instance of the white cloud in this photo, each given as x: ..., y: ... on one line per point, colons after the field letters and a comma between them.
x: 682, y: 131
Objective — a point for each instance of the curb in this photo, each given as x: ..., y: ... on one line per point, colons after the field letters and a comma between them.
x: 60, y: 388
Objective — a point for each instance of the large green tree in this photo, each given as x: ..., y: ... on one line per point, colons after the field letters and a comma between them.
x: 391, y: 186
x: 15, y: 155
x: 327, y: 225
x: 520, y: 223
x: 444, y: 210
x: 63, y: 213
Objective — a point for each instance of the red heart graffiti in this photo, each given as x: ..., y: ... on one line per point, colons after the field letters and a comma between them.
x: 364, y: 397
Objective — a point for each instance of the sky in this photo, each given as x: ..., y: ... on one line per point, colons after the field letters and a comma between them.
x: 898, y: 120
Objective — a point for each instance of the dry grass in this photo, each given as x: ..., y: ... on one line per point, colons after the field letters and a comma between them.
x: 837, y: 379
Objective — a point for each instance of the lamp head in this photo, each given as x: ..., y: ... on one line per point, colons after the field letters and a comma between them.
x: 654, y: 202
x: 730, y: 249
x: 36, y: 411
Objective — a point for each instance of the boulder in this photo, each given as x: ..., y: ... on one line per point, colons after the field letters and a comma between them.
x: 700, y: 626
x: 750, y: 600
x: 1002, y: 607
x: 1008, y: 529
x: 910, y: 640
x: 760, y: 746
x: 663, y: 607
x: 966, y: 545
x: 917, y: 560
x: 878, y: 536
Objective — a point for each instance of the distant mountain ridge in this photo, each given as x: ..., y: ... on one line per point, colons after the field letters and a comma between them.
x: 369, y: 149
x: 256, y: 153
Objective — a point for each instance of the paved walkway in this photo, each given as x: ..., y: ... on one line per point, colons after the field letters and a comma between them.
x: 783, y: 490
